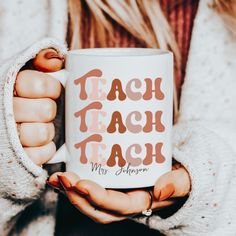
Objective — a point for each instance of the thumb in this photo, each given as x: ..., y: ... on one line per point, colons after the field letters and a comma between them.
x: 175, y: 183
x: 48, y: 60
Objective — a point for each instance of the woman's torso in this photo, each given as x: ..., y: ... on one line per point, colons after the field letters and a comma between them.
x: 181, y: 19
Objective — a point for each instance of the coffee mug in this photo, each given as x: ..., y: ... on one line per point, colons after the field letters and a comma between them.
x: 118, y: 115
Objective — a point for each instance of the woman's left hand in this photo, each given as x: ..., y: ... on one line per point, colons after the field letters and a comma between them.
x: 106, y: 206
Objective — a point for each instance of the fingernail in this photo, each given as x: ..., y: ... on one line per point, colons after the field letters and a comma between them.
x: 53, y: 184
x: 167, y: 192
x: 54, y: 54
x: 64, y: 182
x: 80, y: 190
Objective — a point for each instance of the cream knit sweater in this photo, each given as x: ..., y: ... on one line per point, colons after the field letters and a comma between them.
x: 204, y: 139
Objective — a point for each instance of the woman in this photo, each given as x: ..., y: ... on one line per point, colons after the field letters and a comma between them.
x: 204, y: 134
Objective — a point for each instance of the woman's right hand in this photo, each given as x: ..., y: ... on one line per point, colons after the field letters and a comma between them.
x: 35, y: 108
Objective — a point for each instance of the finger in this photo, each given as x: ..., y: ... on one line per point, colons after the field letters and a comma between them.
x: 80, y: 202
x: 34, y: 84
x: 135, y: 195
x: 175, y: 183
x: 53, y: 177
x: 34, y: 110
x: 157, y: 205
x: 84, y: 206
x: 48, y: 60
x: 122, y: 203
x: 40, y: 155
x: 35, y: 134
x: 72, y: 178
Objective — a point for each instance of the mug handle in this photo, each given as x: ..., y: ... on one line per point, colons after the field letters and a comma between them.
x: 61, y: 154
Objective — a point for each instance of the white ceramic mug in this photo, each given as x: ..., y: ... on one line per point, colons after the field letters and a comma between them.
x: 119, y: 104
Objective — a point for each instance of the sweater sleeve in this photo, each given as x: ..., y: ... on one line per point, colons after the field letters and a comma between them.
x: 210, y: 161
x: 21, y: 181
x: 204, y: 139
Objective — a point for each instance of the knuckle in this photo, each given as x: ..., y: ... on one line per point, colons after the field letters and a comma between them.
x: 125, y: 211
x: 128, y: 212
x: 106, y: 221
x: 40, y: 85
x: 35, y: 156
x: 48, y: 109
x: 103, y: 221
x: 75, y: 203
x: 52, y: 130
x: 20, y: 82
x: 100, y: 203
x: 137, y: 204
x: 57, y: 85
x: 52, y: 148
x: 44, y: 134
x: 21, y: 75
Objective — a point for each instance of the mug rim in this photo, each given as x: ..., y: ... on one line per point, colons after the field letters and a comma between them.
x: 119, y: 52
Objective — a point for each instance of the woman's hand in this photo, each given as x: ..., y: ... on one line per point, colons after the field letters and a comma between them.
x: 106, y: 206
x: 35, y: 108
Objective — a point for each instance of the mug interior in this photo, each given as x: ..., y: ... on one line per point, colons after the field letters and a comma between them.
x: 118, y: 52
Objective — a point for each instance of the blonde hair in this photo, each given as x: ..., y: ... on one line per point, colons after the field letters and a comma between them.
x: 227, y: 10
x: 144, y: 19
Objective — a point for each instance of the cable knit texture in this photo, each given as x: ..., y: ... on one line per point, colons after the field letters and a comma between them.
x: 21, y: 181
x: 203, y: 139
